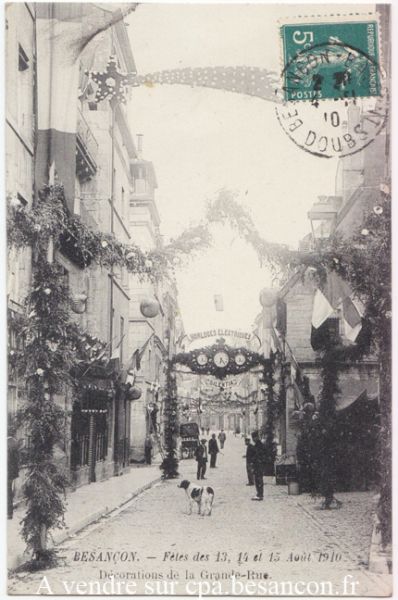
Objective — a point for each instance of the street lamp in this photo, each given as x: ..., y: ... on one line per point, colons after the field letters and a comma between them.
x: 323, y: 217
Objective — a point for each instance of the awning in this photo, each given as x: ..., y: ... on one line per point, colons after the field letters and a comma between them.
x: 352, y: 388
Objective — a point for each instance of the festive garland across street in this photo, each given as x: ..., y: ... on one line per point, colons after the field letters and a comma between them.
x: 54, y: 346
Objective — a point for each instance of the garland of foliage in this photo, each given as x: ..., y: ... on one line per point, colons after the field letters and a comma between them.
x: 226, y: 209
x: 364, y: 261
x: 169, y: 465
x: 54, y: 346
x: 48, y: 218
x: 47, y: 358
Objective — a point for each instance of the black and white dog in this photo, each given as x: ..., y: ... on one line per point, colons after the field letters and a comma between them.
x: 203, y: 496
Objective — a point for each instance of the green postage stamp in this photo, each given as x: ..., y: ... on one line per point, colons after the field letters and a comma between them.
x: 330, y: 60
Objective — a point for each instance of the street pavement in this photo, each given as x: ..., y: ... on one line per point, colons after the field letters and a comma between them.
x: 153, y: 546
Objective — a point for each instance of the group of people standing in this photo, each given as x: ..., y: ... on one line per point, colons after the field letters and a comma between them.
x: 255, y: 459
x: 205, y: 449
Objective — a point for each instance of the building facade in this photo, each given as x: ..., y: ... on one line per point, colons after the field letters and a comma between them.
x: 105, y: 431
x: 20, y: 163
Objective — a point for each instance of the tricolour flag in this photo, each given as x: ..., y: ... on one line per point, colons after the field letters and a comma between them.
x: 63, y: 31
x: 335, y: 295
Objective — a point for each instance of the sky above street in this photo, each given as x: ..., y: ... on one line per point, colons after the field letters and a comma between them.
x: 202, y: 140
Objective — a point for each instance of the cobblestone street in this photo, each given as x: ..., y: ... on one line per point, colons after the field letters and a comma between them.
x: 274, y: 541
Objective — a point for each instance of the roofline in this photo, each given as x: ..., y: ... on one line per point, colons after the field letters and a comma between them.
x: 123, y: 38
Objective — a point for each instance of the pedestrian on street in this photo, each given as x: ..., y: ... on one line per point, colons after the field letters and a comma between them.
x: 249, y: 457
x: 222, y: 437
x: 202, y: 430
x: 201, y: 459
x: 148, y: 450
x: 12, y: 472
x: 213, y: 451
x: 208, y: 430
x: 257, y: 460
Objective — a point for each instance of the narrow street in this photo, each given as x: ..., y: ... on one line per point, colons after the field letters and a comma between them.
x: 271, y: 541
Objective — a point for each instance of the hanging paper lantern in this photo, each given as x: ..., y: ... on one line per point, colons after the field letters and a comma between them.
x: 149, y: 308
x: 78, y: 303
x: 134, y: 393
x: 268, y: 297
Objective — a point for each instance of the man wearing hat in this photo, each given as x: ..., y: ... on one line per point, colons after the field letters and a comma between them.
x: 249, y: 457
x: 201, y: 459
x: 257, y: 460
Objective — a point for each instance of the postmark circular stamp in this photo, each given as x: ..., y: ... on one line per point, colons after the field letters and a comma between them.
x: 334, y: 99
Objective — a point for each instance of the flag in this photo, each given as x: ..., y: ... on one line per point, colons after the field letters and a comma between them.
x: 218, y: 302
x: 63, y: 30
x: 336, y: 295
x: 135, y: 361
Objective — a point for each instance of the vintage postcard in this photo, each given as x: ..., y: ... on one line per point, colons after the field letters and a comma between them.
x: 199, y: 299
